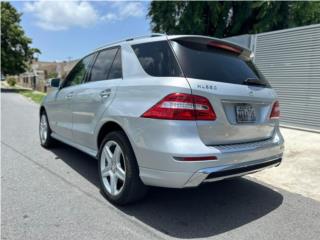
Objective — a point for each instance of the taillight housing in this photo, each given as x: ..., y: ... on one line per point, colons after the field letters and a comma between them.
x: 275, y: 113
x: 182, y: 106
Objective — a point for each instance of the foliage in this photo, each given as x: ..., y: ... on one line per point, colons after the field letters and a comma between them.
x: 33, y: 95
x: 229, y: 18
x: 52, y: 75
x: 16, y: 52
x: 11, y: 81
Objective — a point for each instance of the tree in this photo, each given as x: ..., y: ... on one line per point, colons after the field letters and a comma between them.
x: 52, y: 75
x: 16, y: 52
x: 229, y: 18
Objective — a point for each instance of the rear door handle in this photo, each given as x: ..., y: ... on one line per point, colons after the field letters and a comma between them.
x: 69, y: 95
x: 105, y: 93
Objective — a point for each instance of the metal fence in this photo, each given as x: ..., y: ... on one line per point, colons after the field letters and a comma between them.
x: 290, y: 60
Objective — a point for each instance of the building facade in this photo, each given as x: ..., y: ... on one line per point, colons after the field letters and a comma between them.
x: 39, y: 73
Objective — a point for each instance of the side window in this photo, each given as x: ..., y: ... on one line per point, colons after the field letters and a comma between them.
x: 102, y: 65
x: 157, y: 59
x: 77, y: 74
x: 116, y: 69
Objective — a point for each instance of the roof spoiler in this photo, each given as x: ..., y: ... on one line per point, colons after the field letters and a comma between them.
x: 215, y: 42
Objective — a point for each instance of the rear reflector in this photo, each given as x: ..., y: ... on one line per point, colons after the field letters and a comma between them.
x: 182, y: 106
x: 275, y: 113
x: 206, y: 158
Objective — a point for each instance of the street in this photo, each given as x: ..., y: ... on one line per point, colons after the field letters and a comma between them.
x: 54, y: 194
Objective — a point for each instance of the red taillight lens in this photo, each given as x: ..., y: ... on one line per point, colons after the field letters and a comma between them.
x: 182, y: 106
x: 275, y: 113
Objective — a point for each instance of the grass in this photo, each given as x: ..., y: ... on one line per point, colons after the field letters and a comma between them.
x: 33, y: 95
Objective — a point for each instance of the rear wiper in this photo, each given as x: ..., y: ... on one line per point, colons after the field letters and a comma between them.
x: 254, y: 81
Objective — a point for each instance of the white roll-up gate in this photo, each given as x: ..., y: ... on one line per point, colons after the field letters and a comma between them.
x: 290, y: 60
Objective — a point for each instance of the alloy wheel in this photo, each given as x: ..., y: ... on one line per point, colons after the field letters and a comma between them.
x: 112, y: 167
x: 43, y: 129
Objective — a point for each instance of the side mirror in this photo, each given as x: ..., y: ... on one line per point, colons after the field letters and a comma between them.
x: 55, y: 83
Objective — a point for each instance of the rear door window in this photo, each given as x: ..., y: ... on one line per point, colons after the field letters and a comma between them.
x: 102, y: 65
x: 205, y: 62
x: 157, y: 59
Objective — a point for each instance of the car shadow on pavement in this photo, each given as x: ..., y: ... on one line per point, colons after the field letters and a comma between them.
x: 208, y: 210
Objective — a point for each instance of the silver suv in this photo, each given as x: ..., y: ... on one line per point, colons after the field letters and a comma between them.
x: 168, y: 111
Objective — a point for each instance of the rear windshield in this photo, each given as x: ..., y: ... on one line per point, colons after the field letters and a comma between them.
x: 202, y: 61
x: 157, y: 59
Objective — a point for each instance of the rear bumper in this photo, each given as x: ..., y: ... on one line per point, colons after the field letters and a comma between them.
x: 157, y: 153
x: 233, y: 160
x: 171, y: 179
x: 229, y: 171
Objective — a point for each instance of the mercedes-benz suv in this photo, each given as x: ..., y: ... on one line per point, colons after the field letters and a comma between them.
x: 168, y: 111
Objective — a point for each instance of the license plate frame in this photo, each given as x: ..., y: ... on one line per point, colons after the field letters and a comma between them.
x: 245, y: 113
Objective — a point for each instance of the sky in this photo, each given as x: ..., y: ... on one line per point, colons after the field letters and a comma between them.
x: 66, y: 30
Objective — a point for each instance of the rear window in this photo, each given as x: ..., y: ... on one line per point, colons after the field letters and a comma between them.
x: 205, y: 62
x: 157, y: 59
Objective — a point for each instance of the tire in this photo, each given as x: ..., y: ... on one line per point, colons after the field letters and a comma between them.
x: 119, y: 171
x: 46, y: 140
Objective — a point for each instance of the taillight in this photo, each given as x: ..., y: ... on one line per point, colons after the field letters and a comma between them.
x: 275, y: 113
x: 225, y: 47
x: 182, y: 106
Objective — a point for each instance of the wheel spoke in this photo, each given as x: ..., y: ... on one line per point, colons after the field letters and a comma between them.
x: 113, y: 183
x: 117, y: 153
x: 120, y: 173
x: 105, y: 172
x: 108, y: 154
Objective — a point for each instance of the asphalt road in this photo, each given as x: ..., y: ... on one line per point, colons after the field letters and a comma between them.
x: 54, y: 194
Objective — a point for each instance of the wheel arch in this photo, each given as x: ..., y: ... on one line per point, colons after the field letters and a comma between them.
x: 108, y: 127
x: 42, y: 110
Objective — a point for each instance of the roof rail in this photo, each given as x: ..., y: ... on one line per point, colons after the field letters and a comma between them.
x: 133, y: 38
x: 146, y: 36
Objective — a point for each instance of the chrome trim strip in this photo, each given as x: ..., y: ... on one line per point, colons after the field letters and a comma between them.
x: 270, y: 142
x: 248, y: 101
x: 240, y: 174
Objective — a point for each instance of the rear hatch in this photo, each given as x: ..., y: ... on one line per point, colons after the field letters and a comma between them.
x: 239, y: 94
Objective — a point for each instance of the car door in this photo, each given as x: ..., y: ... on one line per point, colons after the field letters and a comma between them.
x: 95, y: 95
x: 61, y: 116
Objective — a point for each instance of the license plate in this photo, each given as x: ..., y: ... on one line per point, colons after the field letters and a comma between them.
x: 245, y: 113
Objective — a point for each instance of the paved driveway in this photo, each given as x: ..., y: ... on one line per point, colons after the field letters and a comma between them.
x: 55, y: 195
x: 299, y: 171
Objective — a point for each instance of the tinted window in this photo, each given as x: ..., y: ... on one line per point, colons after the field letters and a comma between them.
x: 101, y: 67
x: 157, y: 59
x: 209, y: 63
x: 77, y: 74
x: 116, y: 69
